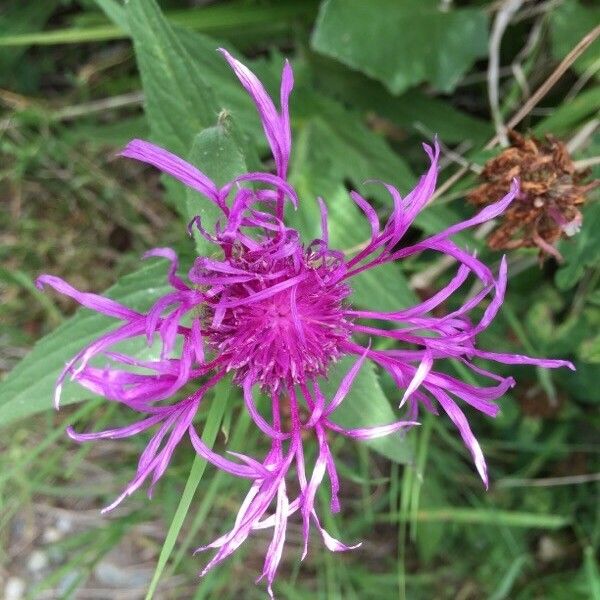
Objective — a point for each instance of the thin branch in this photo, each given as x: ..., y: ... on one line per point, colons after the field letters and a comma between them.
x: 79, y: 110
x: 549, y: 481
x: 583, y: 80
x: 586, y: 163
x: 501, y: 22
x: 562, y: 68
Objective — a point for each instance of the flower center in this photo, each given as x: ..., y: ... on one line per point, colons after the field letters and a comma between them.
x: 287, y: 324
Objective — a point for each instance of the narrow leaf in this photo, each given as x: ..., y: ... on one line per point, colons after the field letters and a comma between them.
x: 209, y: 435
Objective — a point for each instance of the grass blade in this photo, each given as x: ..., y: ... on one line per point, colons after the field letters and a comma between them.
x: 483, y: 516
x: 209, y: 435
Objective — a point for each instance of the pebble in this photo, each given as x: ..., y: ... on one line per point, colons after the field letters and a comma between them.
x: 64, y: 524
x: 14, y: 589
x: 38, y: 561
x: 52, y: 534
x: 549, y: 549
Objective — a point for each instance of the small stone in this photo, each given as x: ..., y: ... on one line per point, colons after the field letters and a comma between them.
x: 51, y: 535
x: 64, y: 524
x: 549, y: 549
x: 37, y: 561
x: 14, y: 589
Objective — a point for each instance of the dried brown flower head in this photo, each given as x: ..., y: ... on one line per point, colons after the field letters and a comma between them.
x: 552, y: 190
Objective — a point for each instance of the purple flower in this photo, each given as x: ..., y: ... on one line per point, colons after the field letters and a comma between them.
x: 275, y: 312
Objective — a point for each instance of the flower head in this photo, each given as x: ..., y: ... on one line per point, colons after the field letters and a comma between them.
x: 274, y: 310
x: 551, y: 194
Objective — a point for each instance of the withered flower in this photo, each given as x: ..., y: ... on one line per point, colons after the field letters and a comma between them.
x: 552, y: 190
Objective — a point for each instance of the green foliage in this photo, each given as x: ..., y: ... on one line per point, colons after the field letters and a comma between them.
x: 402, y: 43
x: 179, y: 103
x: 215, y: 153
x: 582, y: 251
x: 367, y: 406
x: 569, y: 115
x: 570, y: 21
x: 321, y: 163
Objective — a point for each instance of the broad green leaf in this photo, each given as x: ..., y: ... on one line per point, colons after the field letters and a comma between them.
x: 414, y: 110
x: 187, y: 83
x: 346, y: 148
x: 402, y: 43
x: 569, y: 22
x: 217, y: 154
x: 210, y: 431
x: 333, y: 147
x: 582, y: 250
x: 231, y: 96
x: 365, y: 406
x: 29, y: 387
x: 188, y: 86
x: 179, y: 101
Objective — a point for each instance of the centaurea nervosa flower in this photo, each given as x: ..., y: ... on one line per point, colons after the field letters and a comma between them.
x: 275, y: 312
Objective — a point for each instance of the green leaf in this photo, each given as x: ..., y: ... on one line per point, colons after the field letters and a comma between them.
x: 334, y: 147
x: 557, y: 338
x: 414, y: 110
x: 115, y: 12
x: 365, y: 406
x: 430, y: 536
x: 383, y: 288
x: 568, y: 115
x: 582, y: 385
x: 187, y: 83
x: 179, y: 102
x: 402, y: 43
x: 29, y: 387
x: 210, y: 431
x: 188, y: 88
x: 569, y: 22
x: 217, y: 154
x: 589, y: 351
x: 582, y: 250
